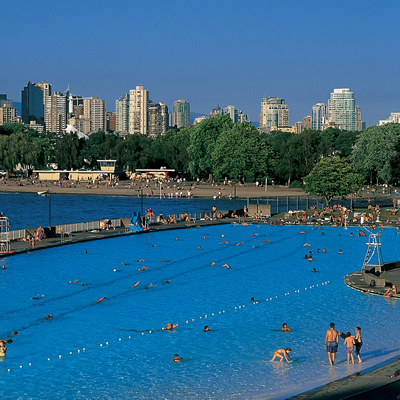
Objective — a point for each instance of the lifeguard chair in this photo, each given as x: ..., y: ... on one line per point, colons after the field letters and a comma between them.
x: 4, y: 235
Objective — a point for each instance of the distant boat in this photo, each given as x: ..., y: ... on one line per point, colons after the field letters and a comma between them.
x: 43, y: 193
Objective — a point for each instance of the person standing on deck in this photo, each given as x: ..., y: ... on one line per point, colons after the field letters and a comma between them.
x: 331, y: 343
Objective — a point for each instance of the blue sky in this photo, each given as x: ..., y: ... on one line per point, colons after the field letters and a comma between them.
x: 207, y: 52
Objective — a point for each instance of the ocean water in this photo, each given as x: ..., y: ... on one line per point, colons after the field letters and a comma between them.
x: 116, y: 349
x: 28, y: 210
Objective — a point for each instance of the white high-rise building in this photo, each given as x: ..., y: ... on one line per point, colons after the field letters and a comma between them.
x: 122, y: 110
x: 319, y: 113
x: 236, y: 115
x: 138, y: 110
x: 341, y: 109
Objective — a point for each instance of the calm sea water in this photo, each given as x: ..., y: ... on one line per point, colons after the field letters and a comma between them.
x: 119, y: 350
x: 27, y: 210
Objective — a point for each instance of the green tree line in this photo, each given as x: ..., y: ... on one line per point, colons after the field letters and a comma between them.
x: 216, y: 146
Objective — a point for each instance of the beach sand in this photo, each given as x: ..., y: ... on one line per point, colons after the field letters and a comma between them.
x: 201, y: 190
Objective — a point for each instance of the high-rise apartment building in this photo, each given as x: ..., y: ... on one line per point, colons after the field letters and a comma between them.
x: 8, y: 114
x: 122, y: 110
x: 274, y: 112
x: 318, y: 114
x: 138, y: 110
x: 216, y: 112
x: 164, y: 118
x: 32, y: 107
x: 94, y: 110
x: 98, y: 115
x: 4, y: 101
x: 56, y: 112
x: 236, y: 115
x: 181, y: 114
x: 157, y: 119
x: 360, y: 125
x: 341, y: 109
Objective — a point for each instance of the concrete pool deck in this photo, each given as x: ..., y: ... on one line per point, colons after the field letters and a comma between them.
x: 373, y: 383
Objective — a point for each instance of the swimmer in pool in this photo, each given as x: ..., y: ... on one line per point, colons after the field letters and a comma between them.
x: 314, y: 270
x: 14, y: 334
x: 213, y: 263
x: 141, y: 260
x: 143, y: 268
x: 282, y: 353
x: 340, y: 251
x: 101, y: 299
x: 200, y: 248
x: 137, y: 283
x: 206, y: 329
x: 306, y: 244
x: 170, y: 326
x: 48, y: 317
x: 3, y: 349
x: 124, y: 263
x: 226, y: 265
x: 4, y: 267
x: 176, y: 358
x: 225, y: 241
x: 285, y: 328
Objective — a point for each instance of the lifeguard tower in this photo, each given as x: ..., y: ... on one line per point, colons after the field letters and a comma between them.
x: 4, y: 236
x: 374, y: 249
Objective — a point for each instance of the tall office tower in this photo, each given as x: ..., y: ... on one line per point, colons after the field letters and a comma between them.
x: 8, y: 113
x: 56, y: 112
x: 98, y: 115
x: 341, y: 109
x: 319, y: 112
x: 216, y: 112
x: 164, y: 118
x: 138, y: 101
x: 32, y: 108
x: 274, y: 112
x: 307, y: 122
x: 181, y: 114
x: 122, y: 110
x: 360, y: 125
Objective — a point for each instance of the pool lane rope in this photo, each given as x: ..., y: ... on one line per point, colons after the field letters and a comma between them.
x: 105, y: 344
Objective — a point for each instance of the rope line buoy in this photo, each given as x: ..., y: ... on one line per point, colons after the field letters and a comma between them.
x: 105, y: 344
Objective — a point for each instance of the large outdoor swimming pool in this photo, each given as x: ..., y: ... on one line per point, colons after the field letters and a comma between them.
x: 116, y: 349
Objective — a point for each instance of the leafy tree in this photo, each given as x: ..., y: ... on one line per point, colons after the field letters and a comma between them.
x: 203, y: 139
x: 100, y: 146
x: 134, y: 152
x: 332, y: 177
x: 345, y: 142
x: 68, y: 151
x: 374, y: 150
x: 330, y: 134
x: 240, y: 152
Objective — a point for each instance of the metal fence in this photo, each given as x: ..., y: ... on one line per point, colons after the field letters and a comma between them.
x: 285, y: 203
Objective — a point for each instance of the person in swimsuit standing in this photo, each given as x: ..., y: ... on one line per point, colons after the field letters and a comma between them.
x: 331, y: 343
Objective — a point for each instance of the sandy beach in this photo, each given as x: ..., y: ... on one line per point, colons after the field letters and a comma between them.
x: 200, y: 190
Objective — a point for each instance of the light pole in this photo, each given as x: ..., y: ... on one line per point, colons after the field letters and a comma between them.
x: 47, y: 194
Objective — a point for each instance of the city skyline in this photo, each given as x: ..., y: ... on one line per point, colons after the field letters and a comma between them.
x: 263, y: 56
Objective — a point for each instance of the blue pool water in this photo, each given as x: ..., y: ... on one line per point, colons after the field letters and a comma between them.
x: 122, y: 359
